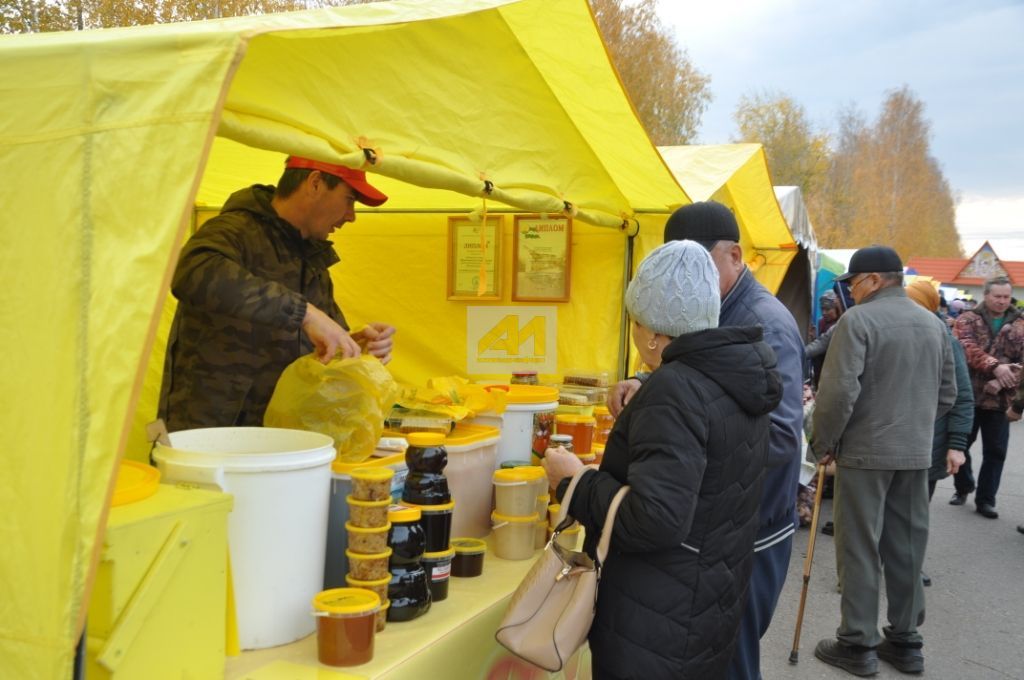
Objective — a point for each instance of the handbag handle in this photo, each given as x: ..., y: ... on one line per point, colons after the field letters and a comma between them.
x: 606, y: 534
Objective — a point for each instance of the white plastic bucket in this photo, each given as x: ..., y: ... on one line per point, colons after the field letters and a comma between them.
x: 276, y: 533
x: 517, y: 422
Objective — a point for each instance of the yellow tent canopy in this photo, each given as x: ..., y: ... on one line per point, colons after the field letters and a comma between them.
x: 109, y: 138
x: 737, y: 175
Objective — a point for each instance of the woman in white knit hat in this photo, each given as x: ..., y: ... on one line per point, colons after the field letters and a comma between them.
x: 692, y: 445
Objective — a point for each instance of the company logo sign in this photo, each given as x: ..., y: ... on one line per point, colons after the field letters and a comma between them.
x: 507, y: 339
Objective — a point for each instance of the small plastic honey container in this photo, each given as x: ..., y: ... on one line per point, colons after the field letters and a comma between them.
x: 346, y: 623
x: 380, y: 586
x: 468, y: 560
x: 372, y: 567
x: 540, y: 533
x: 542, y: 505
x: 437, y: 525
x: 367, y: 541
x: 602, y: 425
x: 580, y: 427
x: 439, y: 568
x: 514, y: 536
x: 569, y: 538
x: 515, y: 492
x: 371, y: 483
x: 368, y: 514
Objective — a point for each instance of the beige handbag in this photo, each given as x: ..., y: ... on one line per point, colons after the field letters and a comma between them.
x: 550, y: 613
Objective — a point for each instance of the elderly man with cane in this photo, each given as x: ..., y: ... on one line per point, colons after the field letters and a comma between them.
x: 888, y: 374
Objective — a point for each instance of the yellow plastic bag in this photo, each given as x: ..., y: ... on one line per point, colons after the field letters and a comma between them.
x: 346, y: 399
x: 453, y: 397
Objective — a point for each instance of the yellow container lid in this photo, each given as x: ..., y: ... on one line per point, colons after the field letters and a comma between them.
x: 367, y: 530
x: 340, y: 468
x: 135, y: 481
x: 598, y: 448
x: 368, y: 556
x: 367, y: 504
x: 573, y: 418
x: 554, y: 508
x: 512, y: 475
x: 373, y: 474
x: 425, y: 439
x: 464, y: 434
x: 437, y: 507
x: 404, y: 513
x: 346, y: 601
x: 601, y: 411
x: 468, y: 546
x: 439, y: 555
x: 515, y: 519
x: 532, y: 394
x: 376, y: 583
x: 533, y: 472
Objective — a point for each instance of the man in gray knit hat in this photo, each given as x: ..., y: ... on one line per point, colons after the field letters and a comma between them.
x: 745, y: 302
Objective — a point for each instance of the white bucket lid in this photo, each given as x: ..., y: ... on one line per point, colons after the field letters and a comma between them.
x: 247, y: 449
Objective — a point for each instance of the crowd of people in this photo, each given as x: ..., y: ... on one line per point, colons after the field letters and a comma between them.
x: 710, y: 441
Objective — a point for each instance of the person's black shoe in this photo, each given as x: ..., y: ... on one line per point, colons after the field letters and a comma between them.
x: 958, y: 499
x: 862, y: 661
x: 903, y: 659
x: 926, y: 580
x: 828, y: 529
x: 986, y: 510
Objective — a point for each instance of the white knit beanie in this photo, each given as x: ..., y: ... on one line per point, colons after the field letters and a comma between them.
x: 675, y: 290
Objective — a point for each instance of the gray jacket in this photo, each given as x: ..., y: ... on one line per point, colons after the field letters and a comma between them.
x: 888, y: 375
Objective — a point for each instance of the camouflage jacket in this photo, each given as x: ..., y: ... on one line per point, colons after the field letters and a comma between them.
x: 986, y: 350
x: 242, y: 284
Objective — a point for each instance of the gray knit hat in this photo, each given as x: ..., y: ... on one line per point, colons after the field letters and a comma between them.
x: 675, y: 290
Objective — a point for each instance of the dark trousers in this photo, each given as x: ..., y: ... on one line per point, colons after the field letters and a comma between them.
x: 766, y: 581
x: 995, y: 437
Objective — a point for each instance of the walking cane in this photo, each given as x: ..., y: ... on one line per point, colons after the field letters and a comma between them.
x: 794, y: 655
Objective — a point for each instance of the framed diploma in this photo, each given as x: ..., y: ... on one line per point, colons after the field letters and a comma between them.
x: 474, y: 258
x: 542, y: 255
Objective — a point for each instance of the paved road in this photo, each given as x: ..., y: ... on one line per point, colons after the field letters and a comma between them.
x: 975, y: 609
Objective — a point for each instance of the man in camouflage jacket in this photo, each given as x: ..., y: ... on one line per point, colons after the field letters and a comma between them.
x: 254, y: 294
x: 992, y: 336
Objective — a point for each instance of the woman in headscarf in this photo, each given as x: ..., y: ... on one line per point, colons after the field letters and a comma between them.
x: 692, y: 445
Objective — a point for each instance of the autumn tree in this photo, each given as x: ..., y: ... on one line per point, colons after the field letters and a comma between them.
x: 884, y: 185
x: 797, y: 154
x: 669, y: 93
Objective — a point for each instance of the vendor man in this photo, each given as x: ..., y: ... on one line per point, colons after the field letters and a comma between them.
x: 254, y: 294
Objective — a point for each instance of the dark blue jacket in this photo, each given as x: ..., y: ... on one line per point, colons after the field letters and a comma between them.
x: 750, y: 304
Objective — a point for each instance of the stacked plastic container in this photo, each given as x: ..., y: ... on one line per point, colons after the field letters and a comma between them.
x: 368, y: 529
x: 520, y: 511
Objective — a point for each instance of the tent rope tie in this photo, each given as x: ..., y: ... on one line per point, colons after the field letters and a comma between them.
x: 488, y: 187
x: 481, y: 286
x: 371, y: 156
x: 568, y: 209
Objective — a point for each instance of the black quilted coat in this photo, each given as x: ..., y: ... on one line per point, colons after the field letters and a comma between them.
x: 692, y: 445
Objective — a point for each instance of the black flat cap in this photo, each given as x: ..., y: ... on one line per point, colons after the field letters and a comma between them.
x: 706, y: 222
x: 871, y: 260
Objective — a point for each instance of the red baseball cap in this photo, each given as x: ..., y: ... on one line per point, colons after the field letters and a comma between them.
x: 365, y: 193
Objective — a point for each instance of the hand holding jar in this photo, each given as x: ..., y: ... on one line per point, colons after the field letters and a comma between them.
x: 559, y: 464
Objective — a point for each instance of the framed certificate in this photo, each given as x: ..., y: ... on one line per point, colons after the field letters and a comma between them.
x: 542, y: 258
x: 474, y: 258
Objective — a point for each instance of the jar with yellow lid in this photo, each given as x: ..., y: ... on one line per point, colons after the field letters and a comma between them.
x: 345, y: 625
x: 468, y: 560
x: 580, y: 427
x: 426, y: 459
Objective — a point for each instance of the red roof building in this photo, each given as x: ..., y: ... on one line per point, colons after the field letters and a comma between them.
x: 969, y: 273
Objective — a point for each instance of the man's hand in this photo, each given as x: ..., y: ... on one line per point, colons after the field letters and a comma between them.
x: 1007, y: 375
x: 327, y: 336
x: 954, y: 459
x: 1012, y: 414
x: 827, y: 459
x: 559, y: 464
x: 620, y: 395
x: 377, y: 339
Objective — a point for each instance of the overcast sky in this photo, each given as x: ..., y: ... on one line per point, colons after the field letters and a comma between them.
x: 963, y: 59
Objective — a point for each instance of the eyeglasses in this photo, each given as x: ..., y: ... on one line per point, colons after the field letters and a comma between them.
x: 854, y: 284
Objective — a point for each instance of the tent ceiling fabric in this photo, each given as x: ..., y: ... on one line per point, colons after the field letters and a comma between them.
x: 539, y: 122
x: 105, y: 138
